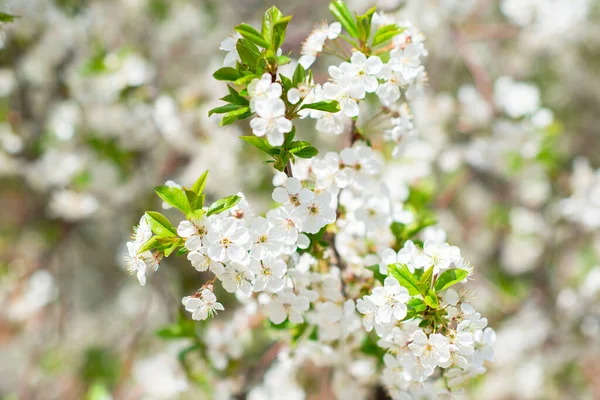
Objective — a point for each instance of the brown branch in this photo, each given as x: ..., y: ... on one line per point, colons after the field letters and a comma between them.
x: 288, y: 169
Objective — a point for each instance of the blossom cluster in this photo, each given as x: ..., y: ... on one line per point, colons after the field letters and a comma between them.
x: 503, y: 159
x: 343, y: 245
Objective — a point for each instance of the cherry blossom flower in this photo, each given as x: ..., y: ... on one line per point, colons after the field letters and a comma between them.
x: 229, y: 45
x: 269, y: 274
x: 316, y: 213
x: 204, y: 306
x: 228, y: 240
x: 271, y: 121
x: 431, y: 350
x: 292, y: 194
x: 390, y: 300
x: 288, y: 305
x: 264, y: 240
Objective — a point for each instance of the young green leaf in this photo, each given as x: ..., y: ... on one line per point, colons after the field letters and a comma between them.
x: 341, y: 12
x: 175, y: 197
x: 272, y: 15
x: 285, y: 82
x: 418, y: 304
x: 260, y: 143
x: 159, y: 224
x: 289, y: 138
x: 449, y: 278
x: 283, y: 60
x: 405, y: 277
x: 169, y: 250
x: 281, y: 161
x: 252, y: 35
x: 331, y: 106
x: 386, y: 33
x: 235, y: 98
x: 198, y: 186
x: 425, y: 280
x: 224, y: 109
x: 149, y: 244
x: 279, y: 33
x: 303, y: 149
x: 248, y: 52
x: 247, y: 77
x: 431, y: 299
x: 223, y: 204
x: 193, y: 199
x: 299, y: 75
x: 232, y: 116
x: 363, y: 24
x: 227, y: 74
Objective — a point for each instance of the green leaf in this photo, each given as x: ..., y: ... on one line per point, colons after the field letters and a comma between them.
x: 299, y: 75
x: 449, y: 278
x: 260, y: 143
x: 425, y: 281
x: 244, y: 79
x: 227, y: 74
x: 341, y: 12
x: 283, y: 60
x: 303, y: 149
x: 248, y: 53
x: 198, y: 186
x: 363, y: 24
x: 279, y: 33
x: 169, y: 250
x: 386, y: 33
x: 159, y: 224
x: 224, y: 109
x: 193, y: 200
x: 175, y: 197
x: 418, y: 304
x: 331, y: 106
x: 232, y: 116
x: 286, y: 82
x: 223, y: 204
x: 271, y: 17
x: 281, y: 161
x: 408, y: 280
x: 405, y: 277
x: 431, y: 299
x: 289, y: 137
x: 252, y: 35
x: 149, y: 244
x: 160, y: 243
x: 235, y: 98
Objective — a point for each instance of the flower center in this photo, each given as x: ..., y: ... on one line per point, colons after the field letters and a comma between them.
x: 428, y: 348
x: 225, y: 242
x: 390, y: 301
x: 289, y: 224
x: 294, y: 200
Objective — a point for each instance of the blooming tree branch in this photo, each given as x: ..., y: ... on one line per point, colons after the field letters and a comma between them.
x: 338, y: 263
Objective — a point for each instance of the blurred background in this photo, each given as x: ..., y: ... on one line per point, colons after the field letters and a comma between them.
x: 100, y: 100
